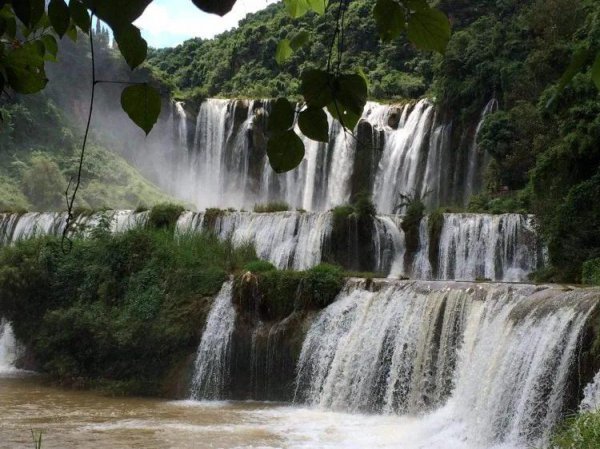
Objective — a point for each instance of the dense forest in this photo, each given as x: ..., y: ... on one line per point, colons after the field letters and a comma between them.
x: 40, y: 138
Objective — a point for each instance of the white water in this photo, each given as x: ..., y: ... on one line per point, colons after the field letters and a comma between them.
x: 9, y: 348
x: 496, y: 247
x: 471, y: 367
x: 15, y: 227
x: 212, y: 364
x: 226, y: 165
x: 399, y: 168
x: 475, y: 158
x: 472, y: 246
x: 291, y: 240
x: 591, y: 398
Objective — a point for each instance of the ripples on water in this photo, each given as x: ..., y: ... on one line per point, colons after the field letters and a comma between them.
x: 76, y: 419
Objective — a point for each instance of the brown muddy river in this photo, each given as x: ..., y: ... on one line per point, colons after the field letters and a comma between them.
x: 72, y: 419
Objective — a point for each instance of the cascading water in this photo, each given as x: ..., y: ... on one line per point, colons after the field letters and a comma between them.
x: 9, y: 348
x: 15, y: 227
x: 471, y: 246
x: 212, y: 360
x: 475, y: 159
x: 400, y: 169
x: 591, y: 398
x: 496, y: 247
x: 289, y: 240
x: 487, y: 365
x: 226, y: 165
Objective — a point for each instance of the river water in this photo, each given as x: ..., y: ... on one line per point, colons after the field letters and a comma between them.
x: 83, y: 419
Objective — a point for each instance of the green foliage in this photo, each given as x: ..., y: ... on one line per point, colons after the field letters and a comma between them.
x: 142, y: 104
x: 590, y: 273
x: 259, y: 266
x: 285, y: 151
x: 518, y: 203
x: 43, y: 183
x: 276, y: 294
x: 164, y: 216
x: 313, y: 124
x: 124, y: 308
x: 275, y: 206
x: 579, y: 432
x: 281, y: 116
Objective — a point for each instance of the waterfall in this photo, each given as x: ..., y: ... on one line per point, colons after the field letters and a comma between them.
x: 389, y: 246
x: 410, y: 153
x: 289, y: 240
x: 496, y: 247
x: 15, y: 227
x: 491, y: 362
x: 401, y: 165
x: 591, y: 397
x: 9, y: 348
x: 182, y: 125
x: 213, y: 357
x: 474, y: 160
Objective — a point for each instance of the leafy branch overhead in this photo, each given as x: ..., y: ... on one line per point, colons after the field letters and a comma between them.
x: 344, y: 96
x: 30, y: 31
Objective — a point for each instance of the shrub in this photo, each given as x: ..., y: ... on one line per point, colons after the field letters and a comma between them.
x: 590, y: 273
x: 275, y: 206
x: 120, y: 309
x: 259, y: 266
x: 275, y: 294
x: 164, y: 216
x: 579, y: 432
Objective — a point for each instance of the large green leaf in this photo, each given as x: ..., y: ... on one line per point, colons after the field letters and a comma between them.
x: 596, y: 71
x: 285, y: 151
x: 80, y: 15
x: 350, y: 98
x: 429, y: 29
x: 317, y: 88
x: 25, y: 68
x: 38, y: 8
x: 22, y: 9
x: 10, y: 22
x: 58, y: 13
x: 284, y: 51
x: 131, y: 44
x: 390, y: 18
x: 318, y: 6
x: 299, y: 39
x: 281, y: 117
x: 117, y: 14
x: 297, y: 8
x: 51, y: 46
x: 220, y: 7
x: 313, y: 124
x: 142, y: 104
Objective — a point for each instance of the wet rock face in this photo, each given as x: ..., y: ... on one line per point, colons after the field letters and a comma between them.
x: 394, y: 118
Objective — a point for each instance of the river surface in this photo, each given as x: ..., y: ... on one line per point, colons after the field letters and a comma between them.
x: 83, y: 419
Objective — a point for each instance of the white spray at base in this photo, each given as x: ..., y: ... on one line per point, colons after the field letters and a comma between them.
x: 9, y: 348
x: 591, y: 396
x: 478, y: 367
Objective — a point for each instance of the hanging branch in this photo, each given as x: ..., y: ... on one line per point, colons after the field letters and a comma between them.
x: 66, y: 243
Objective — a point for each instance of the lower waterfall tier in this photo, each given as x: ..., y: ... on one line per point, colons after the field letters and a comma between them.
x: 492, y: 364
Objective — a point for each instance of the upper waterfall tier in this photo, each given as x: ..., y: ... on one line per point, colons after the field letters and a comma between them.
x: 396, y: 150
x: 465, y: 247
